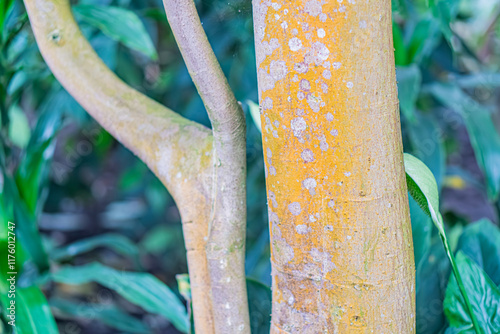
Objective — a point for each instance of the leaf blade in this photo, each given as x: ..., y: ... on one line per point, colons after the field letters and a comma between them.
x: 142, y: 289
x: 119, y: 24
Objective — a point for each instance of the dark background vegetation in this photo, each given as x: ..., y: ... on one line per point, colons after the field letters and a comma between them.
x: 77, y: 184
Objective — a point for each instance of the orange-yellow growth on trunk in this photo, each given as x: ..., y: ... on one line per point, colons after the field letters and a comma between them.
x: 342, y: 252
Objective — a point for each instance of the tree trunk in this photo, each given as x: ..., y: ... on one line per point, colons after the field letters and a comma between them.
x: 342, y: 255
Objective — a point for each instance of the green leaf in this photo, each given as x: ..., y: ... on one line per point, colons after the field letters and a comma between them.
x: 421, y: 228
x: 107, y: 314
x: 5, y: 8
x: 117, y: 242
x: 32, y: 174
x: 259, y: 303
x: 32, y: 312
x: 445, y: 12
x: 431, y: 278
x: 142, y: 289
x: 425, y: 37
x: 25, y: 225
x: 400, y: 53
x: 481, y: 242
x: 119, y: 24
x: 19, y: 129
x: 184, y: 286
x: 409, y: 81
x: 160, y: 238
x: 479, y: 80
x: 483, y: 135
x: 427, y: 145
x: 423, y: 188
x: 255, y: 113
x: 483, y: 294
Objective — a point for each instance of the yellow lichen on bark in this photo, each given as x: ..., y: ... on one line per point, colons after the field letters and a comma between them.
x: 342, y: 255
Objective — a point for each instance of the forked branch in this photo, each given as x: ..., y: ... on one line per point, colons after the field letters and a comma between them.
x: 226, y: 244
x: 178, y: 151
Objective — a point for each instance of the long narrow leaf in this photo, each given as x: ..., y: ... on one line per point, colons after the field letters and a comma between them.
x: 423, y: 188
x: 109, y: 315
x: 116, y: 242
x: 120, y: 24
x: 484, y: 298
x: 32, y: 312
x: 142, y: 289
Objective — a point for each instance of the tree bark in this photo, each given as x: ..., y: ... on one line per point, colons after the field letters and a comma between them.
x: 342, y: 255
x: 178, y: 151
x: 227, y: 226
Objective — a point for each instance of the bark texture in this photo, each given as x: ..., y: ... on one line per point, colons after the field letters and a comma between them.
x: 342, y: 255
x: 227, y: 227
x: 178, y: 151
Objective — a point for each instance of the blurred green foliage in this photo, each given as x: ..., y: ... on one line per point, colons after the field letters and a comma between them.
x: 78, y: 197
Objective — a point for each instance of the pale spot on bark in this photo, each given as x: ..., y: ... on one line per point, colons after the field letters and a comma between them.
x: 267, y: 103
x: 266, y: 81
x: 272, y: 197
x: 322, y: 17
x: 307, y: 155
x: 305, y: 85
x: 321, y: 51
x: 323, y: 145
x: 301, y: 95
x: 327, y: 74
x: 310, y: 184
x: 331, y: 203
x: 298, y: 126
x: 314, y: 102
x: 295, y: 44
x: 321, y: 33
x: 347, y: 174
x: 350, y: 84
x: 323, y: 259
x: 362, y: 24
x: 294, y: 208
x: 329, y: 117
x: 334, y: 132
x: 282, y: 251
x: 278, y: 70
x: 272, y: 170
x: 313, y: 7
x: 301, y: 67
x: 324, y: 87
x: 302, y: 229
x: 336, y: 65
